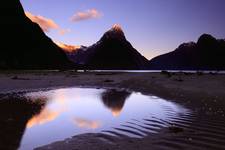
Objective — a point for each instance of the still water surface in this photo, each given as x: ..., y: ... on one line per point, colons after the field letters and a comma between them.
x: 75, y: 111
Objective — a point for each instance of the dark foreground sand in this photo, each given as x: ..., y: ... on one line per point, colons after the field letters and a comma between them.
x: 202, y: 93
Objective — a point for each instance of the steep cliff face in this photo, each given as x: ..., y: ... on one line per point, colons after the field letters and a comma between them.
x: 23, y: 43
x: 207, y: 54
x: 112, y: 51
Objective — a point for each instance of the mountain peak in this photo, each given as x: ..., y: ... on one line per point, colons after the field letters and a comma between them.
x: 116, y: 28
x: 116, y: 32
x: 206, y: 39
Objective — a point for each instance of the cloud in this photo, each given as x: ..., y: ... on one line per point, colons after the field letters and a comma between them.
x: 44, y: 117
x: 45, y: 23
x: 86, y: 15
x: 64, y: 31
x: 83, y: 123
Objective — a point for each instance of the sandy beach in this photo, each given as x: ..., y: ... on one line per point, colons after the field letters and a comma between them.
x: 185, y: 88
x: 202, y: 93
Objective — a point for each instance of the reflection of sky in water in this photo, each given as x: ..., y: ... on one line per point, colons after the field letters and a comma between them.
x: 75, y: 111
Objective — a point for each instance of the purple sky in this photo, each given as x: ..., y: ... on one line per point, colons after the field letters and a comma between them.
x: 152, y: 26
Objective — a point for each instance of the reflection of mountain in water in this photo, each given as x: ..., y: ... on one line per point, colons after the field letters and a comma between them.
x: 14, y: 115
x: 115, y: 100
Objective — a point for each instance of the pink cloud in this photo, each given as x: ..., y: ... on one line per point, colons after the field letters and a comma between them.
x: 86, y: 15
x: 44, y: 117
x: 64, y: 31
x: 84, y: 123
x: 45, y: 23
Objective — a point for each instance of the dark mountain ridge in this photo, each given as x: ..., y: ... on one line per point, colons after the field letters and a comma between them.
x: 24, y: 45
x: 111, y: 52
x: 207, y: 54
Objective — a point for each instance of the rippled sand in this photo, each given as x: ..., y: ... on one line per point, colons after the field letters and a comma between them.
x: 203, y: 128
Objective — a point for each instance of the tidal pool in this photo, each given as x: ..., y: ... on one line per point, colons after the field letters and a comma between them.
x: 64, y: 113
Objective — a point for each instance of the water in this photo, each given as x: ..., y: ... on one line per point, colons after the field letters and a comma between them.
x: 47, y: 116
x: 156, y: 71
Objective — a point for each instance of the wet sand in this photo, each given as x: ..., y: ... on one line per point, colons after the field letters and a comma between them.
x: 204, y: 94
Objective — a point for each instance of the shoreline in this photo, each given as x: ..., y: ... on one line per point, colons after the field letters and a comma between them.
x: 179, y: 87
x: 202, y: 93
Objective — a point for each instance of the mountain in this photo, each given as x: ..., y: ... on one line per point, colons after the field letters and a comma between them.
x: 114, y: 100
x: 207, y: 54
x: 23, y: 43
x: 111, y: 52
x: 67, y: 48
x: 15, y: 112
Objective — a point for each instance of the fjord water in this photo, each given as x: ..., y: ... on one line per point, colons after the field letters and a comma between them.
x: 68, y: 112
x: 74, y: 111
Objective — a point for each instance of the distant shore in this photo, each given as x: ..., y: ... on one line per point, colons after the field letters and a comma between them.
x: 181, y: 87
x: 193, y: 90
